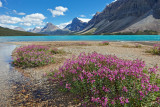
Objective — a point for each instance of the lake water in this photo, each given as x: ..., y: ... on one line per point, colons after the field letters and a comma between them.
x: 8, y: 76
x: 81, y: 38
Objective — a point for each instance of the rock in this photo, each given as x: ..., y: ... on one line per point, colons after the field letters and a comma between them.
x: 122, y: 14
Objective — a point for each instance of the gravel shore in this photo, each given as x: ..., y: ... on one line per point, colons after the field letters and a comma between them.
x: 124, y: 50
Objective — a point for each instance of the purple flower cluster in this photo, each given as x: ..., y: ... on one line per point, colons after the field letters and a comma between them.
x: 107, y: 80
x: 156, y: 49
x: 32, y: 56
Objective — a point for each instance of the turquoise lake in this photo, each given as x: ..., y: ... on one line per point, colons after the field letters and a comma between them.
x: 81, y: 38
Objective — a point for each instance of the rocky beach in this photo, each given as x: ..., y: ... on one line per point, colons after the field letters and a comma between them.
x: 35, y: 90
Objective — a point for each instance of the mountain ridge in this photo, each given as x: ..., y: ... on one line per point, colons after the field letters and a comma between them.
x: 121, y: 14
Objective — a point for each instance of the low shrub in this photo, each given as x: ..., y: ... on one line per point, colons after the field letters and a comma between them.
x: 138, y: 45
x: 156, y: 49
x: 33, y: 56
x: 82, y: 44
x: 100, y: 80
x: 104, y: 43
x: 132, y: 46
x: 57, y: 51
x: 126, y: 46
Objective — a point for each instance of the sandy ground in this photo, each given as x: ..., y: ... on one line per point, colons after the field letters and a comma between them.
x: 124, y: 50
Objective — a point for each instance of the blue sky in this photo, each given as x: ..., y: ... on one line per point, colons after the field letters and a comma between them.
x: 31, y: 13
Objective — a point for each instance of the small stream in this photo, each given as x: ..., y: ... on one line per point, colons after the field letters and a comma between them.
x: 18, y: 90
x: 8, y: 76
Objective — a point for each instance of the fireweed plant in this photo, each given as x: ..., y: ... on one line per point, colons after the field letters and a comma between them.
x: 104, y: 43
x: 57, y: 51
x: 156, y: 49
x: 138, y: 45
x: 104, y: 80
x: 33, y: 56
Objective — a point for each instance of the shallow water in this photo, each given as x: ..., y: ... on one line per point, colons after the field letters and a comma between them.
x: 17, y: 90
x: 81, y: 38
x: 8, y: 76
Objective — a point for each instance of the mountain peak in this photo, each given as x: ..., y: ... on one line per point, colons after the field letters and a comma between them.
x: 49, y: 27
x: 76, y: 20
x: 76, y: 25
x: 49, y: 24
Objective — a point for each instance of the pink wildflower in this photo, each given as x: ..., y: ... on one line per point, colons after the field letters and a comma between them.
x: 125, y: 89
x: 68, y: 86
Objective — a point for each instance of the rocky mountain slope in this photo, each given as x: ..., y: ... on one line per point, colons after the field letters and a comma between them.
x: 49, y: 28
x: 36, y: 30
x: 76, y: 25
x: 126, y: 16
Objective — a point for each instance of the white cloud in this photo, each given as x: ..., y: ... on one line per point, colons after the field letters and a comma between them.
x: 82, y: 16
x: 1, y: 5
x: 8, y: 26
x: 21, y: 13
x: 84, y: 19
x: 63, y: 25
x: 33, y: 19
x: 58, y: 11
x: 4, y: 19
x: 26, y: 24
x: 60, y: 8
x: 28, y: 20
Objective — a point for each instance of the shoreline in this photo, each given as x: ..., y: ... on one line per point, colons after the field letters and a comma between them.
x: 123, y: 50
x: 148, y: 43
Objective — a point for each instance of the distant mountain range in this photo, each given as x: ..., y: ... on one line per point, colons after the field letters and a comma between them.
x: 121, y: 16
x: 50, y: 29
x: 10, y: 32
